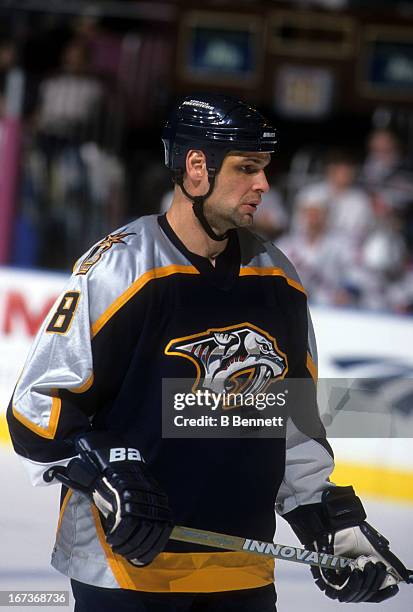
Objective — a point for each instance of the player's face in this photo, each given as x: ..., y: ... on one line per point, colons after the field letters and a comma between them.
x: 238, y: 189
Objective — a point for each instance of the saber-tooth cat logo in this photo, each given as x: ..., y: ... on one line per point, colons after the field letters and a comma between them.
x: 236, y: 359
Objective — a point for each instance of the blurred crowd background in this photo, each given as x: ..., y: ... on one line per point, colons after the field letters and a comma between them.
x: 85, y: 87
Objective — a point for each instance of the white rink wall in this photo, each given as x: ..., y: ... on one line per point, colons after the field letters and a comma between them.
x: 377, y: 344
x: 25, y: 299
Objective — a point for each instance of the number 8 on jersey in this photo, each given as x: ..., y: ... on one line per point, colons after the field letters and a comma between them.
x: 64, y: 313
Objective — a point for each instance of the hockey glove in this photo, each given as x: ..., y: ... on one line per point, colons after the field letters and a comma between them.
x: 336, y: 526
x: 135, y: 513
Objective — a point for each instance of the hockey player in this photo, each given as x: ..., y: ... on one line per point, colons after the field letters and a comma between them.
x: 153, y: 301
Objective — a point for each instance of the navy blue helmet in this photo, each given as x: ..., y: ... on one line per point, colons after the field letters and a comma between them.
x: 215, y: 124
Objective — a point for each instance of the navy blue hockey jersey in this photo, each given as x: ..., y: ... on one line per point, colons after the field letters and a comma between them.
x: 138, y: 309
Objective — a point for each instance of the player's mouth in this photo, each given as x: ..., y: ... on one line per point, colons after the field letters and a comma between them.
x: 251, y: 207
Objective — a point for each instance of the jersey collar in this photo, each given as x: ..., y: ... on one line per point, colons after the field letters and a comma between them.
x: 227, y: 264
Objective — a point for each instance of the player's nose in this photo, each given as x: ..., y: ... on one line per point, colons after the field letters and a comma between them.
x: 261, y: 183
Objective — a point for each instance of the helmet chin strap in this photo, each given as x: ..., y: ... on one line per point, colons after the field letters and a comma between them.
x: 198, y: 205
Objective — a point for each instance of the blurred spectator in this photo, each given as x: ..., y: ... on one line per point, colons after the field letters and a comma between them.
x: 271, y: 219
x: 378, y: 280
x: 68, y: 180
x: 105, y: 184
x: 337, y: 270
x: 383, y: 159
x: 389, y: 180
x: 71, y: 101
x: 400, y: 293
x: 8, y: 58
x: 104, y: 47
x: 385, y: 173
x: 322, y: 256
x: 151, y: 186
x: 350, y: 211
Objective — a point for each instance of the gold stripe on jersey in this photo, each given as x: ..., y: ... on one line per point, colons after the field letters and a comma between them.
x: 312, y: 368
x: 85, y: 387
x: 63, y: 508
x: 135, y: 288
x: 189, y: 572
x: 45, y: 432
x: 50, y: 431
x: 253, y: 271
x: 118, y: 571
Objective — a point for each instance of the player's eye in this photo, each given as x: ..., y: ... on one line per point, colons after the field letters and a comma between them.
x: 248, y: 169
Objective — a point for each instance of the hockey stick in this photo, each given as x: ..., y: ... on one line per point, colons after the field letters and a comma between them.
x: 236, y: 543
x: 266, y: 549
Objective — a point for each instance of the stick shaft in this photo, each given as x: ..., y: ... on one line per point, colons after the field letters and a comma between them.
x: 266, y: 549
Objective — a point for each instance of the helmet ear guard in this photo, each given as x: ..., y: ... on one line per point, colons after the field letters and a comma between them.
x: 215, y: 124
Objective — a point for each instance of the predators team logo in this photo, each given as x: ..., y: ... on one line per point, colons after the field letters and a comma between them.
x: 237, y: 359
x: 101, y: 248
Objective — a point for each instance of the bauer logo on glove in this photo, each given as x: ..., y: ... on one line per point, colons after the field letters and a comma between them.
x: 124, y: 454
x: 135, y: 512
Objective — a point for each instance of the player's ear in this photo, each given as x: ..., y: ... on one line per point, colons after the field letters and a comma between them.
x: 195, y: 164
